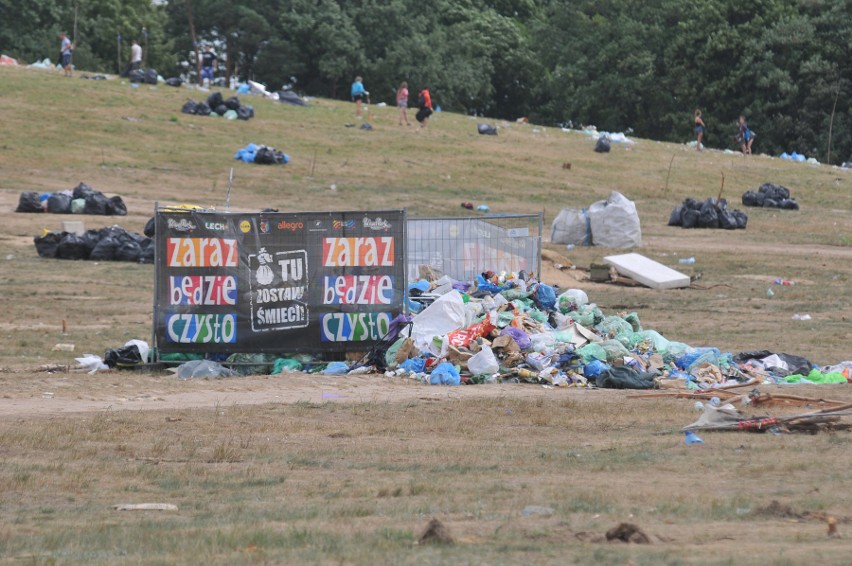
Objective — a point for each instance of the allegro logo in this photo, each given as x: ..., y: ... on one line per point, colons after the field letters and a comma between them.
x: 292, y: 226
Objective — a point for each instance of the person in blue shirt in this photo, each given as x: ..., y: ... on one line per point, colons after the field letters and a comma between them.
x: 65, y: 49
x: 745, y: 136
x: 358, y: 95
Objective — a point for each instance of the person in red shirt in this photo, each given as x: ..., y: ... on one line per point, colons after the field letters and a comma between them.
x: 424, y: 102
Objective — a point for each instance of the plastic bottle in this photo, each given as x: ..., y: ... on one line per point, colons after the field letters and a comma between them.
x: 686, y: 260
x: 715, y: 401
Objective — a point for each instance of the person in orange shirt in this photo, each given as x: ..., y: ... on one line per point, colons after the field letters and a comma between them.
x: 424, y: 102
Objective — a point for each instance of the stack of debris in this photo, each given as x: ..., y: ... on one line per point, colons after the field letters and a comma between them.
x: 216, y: 105
x: 113, y: 243
x: 83, y: 199
x: 709, y: 213
x: 770, y: 196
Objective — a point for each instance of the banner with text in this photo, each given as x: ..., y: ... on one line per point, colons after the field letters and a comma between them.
x: 277, y: 282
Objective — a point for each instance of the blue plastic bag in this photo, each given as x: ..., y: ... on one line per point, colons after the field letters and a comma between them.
x: 445, y: 374
x: 415, y: 365
x: 594, y: 368
x: 336, y: 368
x: 546, y: 296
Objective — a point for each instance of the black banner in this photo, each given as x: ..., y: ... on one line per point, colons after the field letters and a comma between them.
x: 277, y: 282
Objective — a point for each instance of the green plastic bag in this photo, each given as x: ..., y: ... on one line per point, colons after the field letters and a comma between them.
x: 614, y: 349
x: 591, y: 352
x: 286, y: 365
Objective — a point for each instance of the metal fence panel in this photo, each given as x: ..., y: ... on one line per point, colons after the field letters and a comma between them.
x: 465, y: 247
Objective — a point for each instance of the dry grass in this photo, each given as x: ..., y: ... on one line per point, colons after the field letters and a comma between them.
x: 358, y: 483
x: 358, y: 480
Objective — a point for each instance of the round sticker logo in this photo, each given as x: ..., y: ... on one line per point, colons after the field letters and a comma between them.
x: 245, y: 226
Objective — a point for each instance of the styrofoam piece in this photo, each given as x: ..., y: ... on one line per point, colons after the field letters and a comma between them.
x: 647, y: 271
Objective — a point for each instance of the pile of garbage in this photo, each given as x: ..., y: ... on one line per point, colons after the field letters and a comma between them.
x: 770, y: 196
x: 798, y: 157
x: 112, y: 243
x: 707, y: 214
x: 613, y: 222
x: 217, y: 105
x: 82, y: 199
x: 503, y: 328
x: 262, y: 154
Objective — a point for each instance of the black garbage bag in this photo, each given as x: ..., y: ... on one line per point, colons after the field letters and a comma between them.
x: 752, y: 198
x: 47, y: 245
x: 741, y: 218
x: 603, y: 145
x: 58, y: 203
x: 174, y: 81
x: 215, y: 99
x: 96, y: 203
x: 675, y: 217
x: 151, y: 76
x: 128, y: 250
x: 626, y: 378
x: 189, y: 107
x: 233, y: 103
x: 775, y: 192
x: 150, y: 227
x: 789, y: 204
x: 769, y: 202
x: 689, y: 218
x: 269, y: 156
x: 245, y: 112
x: 486, y: 129
x: 124, y: 357
x: 202, y: 109
x: 72, y: 246
x: 136, y: 76
x: 290, y: 97
x: 91, y: 238
x: 29, y: 202
x: 220, y: 110
x: 147, y: 253
x: 692, y: 204
x: 105, y: 249
x: 422, y: 114
x: 727, y: 220
x: 83, y: 190
x: 708, y: 217
x: 116, y: 207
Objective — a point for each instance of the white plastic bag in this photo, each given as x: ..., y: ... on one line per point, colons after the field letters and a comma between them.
x: 444, y: 315
x: 92, y: 363
x: 571, y: 226
x: 615, y: 222
x: 483, y: 362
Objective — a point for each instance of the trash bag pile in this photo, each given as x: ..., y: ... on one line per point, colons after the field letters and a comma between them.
x: 770, y: 196
x: 707, y: 214
x: 112, y: 243
x: 217, y: 105
x: 613, y: 222
x: 513, y: 328
x: 83, y: 199
x: 144, y: 76
x: 264, y: 155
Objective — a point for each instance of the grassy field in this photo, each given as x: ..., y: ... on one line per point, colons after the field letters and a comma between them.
x: 271, y: 470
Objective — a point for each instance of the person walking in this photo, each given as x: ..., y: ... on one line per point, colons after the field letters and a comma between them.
x: 745, y: 136
x: 358, y: 94
x: 424, y: 103
x: 402, y: 103
x: 699, y: 130
x: 135, y: 59
x: 65, y: 49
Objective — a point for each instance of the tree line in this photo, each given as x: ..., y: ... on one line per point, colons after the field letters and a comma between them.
x: 621, y: 65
